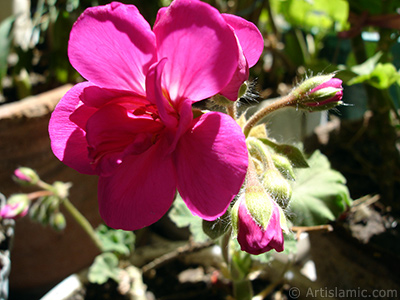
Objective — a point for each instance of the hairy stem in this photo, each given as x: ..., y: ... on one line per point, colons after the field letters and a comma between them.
x: 288, y: 100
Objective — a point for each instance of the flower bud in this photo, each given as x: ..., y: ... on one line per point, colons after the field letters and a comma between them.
x: 256, y: 222
x: 17, y: 207
x: 57, y: 221
x: 39, y: 211
x: 282, y: 163
x: 277, y: 186
x: 319, y: 93
x: 26, y: 176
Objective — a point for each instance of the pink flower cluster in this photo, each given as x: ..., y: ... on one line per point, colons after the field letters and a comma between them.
x: 132, y: 124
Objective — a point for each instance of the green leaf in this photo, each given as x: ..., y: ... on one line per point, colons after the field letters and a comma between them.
x: 368, y: 66
x: 319, y: 193
x: 182, y: 217
x: 104, y: 267
x: 117, y: 241
x: 381, y: 77
x: 293, y: 153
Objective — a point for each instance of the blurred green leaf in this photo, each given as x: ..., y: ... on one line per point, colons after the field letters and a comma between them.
x: 381, y: 77
x: 118, y: 241
x: 320, y: 15
x: 5, y: 45
x: 104, y: 267
x: 319, y: 193
x: 368, y: 66
x: 182, y: 217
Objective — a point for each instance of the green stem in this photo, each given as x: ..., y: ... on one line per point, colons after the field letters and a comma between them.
x: 83, y: 222
x: 242, y: 289
x: 224, y: 244
x: 288, y: 100
x: 46, y: 186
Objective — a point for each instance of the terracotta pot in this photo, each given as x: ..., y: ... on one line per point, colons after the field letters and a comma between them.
x: 42, y: 257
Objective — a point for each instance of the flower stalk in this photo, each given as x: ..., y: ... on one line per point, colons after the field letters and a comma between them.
x: 281, y: 102
x: 83, y: 222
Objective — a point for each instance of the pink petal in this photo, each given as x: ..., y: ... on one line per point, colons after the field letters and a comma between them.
x: 140, y: 192
x: 96, y: 96
x: 112, y: 46
x: 155, y: 95
x: 249, y: 36
x: 231, y: 90
x: 114, y: 132
x: 66, y: 130
x: 200, y: 48
x: 333, y: 82
x: 211, y: 161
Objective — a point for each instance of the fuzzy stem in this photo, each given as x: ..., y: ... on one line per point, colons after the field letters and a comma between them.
x: 288, y: 100
x: 231, y: 110
x: 83, y: 222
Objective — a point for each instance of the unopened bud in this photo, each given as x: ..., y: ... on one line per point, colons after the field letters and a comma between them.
x: 319, y: 93
x: 26, y: 176
x: 39, y: 211
x: 310, y: 83
x: 256, y: 220
x: 277, y: 186
x: 57, y: 221
x: 17, y: 206
x: 282, y: 163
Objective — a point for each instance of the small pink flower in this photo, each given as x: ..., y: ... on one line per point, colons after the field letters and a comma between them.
x: 132, y: 123
x: 257, y: 223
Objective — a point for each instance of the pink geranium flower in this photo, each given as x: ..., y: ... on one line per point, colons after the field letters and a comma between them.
x: 132, y: 122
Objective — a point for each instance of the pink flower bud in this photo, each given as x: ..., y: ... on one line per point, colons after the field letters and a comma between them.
x: 319, y: 93
x: 256, y: 221
x: 17, y: 207
x: 26, y: 176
